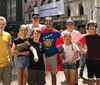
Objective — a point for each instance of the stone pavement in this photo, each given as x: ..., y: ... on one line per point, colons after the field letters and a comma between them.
x: 60, y: 78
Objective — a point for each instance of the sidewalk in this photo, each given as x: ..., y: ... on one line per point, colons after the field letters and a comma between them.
x: 60, y: 78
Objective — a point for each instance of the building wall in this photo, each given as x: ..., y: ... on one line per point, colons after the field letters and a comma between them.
x: 74, y: 10
x: 14, y: 11
x: 3, y: 10
x: 90, y: 11
x: 11, y: 10
x: 97, y: 11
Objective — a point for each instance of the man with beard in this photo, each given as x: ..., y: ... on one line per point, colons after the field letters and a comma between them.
x: 5, y: 54
x: 48, y: 38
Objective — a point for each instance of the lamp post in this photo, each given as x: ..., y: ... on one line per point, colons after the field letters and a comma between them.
x: 98, y: 7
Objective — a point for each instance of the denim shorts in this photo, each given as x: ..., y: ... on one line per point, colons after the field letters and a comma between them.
x: 72, y: 65
x: 22, y: 61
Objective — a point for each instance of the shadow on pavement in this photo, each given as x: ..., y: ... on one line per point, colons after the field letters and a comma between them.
x: 63, y: 82
x: 85, y: 80
x: 14, y: 77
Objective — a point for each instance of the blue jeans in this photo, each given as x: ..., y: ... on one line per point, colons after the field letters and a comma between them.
x: 82, y: 64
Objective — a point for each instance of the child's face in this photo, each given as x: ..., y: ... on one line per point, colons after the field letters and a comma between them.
x: 92, y: 29
x: 23, y: 31
x: 36, y: 35
x: 67, y: 37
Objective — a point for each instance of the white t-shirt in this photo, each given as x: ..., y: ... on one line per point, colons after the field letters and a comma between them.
x: 30, y: 28
x: 68, y: 52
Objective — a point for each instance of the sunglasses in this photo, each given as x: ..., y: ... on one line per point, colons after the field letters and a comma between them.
x: 48, y: 21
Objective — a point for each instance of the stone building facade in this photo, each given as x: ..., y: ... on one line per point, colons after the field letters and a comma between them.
x: 78, y: 10
x: 81, y: 11
x: 3, y: 8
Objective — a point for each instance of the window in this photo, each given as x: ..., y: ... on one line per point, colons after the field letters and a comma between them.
x: 68, y: 11
x: 29, y: 16
x: 81, y: 9
x: 57, y: 0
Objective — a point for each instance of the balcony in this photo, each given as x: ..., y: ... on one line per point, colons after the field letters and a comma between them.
x: 75, y: 18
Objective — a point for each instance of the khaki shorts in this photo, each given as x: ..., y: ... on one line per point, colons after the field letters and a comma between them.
x: 52, y: 62
x: 5, y: 74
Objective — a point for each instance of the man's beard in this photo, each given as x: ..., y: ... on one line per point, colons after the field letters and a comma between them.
x: 1, y: 31
x: 48, y: 25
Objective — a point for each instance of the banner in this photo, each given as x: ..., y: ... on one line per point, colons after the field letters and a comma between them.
x: 26, y: 5
x: 49, y: 7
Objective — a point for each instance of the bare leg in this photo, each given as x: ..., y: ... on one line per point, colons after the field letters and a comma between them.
x: 25, y: 76
x: 90, y: 82
x: 76, y: 78
x: 66, y: 76
x: 53, y: 79
x: 98, y: 81
x: 72, y: 75
x: 20, y: 72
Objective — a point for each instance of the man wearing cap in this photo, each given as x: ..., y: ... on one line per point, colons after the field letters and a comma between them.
x: 76, y: 35
x: 35, y: 23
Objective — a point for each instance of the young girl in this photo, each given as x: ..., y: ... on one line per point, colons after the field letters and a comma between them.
x: 22, y: 57
x: 36, y: 70
x: 70, y: 54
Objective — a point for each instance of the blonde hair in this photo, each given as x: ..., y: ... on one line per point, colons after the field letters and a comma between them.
x: 23, y: 26
x: 68, y: 33
x: 2, y: 18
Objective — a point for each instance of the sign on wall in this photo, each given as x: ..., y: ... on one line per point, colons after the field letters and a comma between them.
x: 49, y: 7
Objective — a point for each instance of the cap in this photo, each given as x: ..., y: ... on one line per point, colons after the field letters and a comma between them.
x: 69, y: 21
x: 35, y: 15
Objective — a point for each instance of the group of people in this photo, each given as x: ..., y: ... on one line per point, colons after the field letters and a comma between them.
x: 33, y: 60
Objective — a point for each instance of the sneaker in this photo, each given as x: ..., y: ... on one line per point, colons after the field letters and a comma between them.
x: 80, y: 76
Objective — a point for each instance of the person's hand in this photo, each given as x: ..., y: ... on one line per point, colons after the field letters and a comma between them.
x: 79, y: 44
x: 63, y: 61
x: 61, y: 54
x: 16, y: 52
x: 36, y: 59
